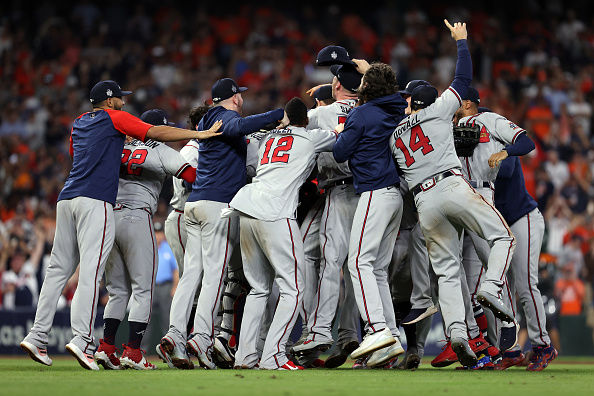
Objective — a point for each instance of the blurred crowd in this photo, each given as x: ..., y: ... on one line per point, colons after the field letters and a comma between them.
x: 534, y: 66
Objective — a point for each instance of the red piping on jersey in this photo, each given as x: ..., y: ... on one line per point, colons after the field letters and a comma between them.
x: 357, y: 263
x: 468, y: 168
x: 530, y: 285
x: 153, y: 238
x: 478, y: 283
x: 456, y: 93
x: 511, y: 300
x: 507, y: 259
x: 315, y: 314
x: 296, y: 286
x: 516, y: 136
x: 311, y: 222
x: 97, y: 274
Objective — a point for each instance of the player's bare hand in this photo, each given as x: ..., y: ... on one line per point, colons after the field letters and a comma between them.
x: 311, y: 91
x: 496, y: 158
x: 339, y: 128
x: 458, y: 30
x: 284, y: 122
x: 212, y: 131
x: 362, y: 65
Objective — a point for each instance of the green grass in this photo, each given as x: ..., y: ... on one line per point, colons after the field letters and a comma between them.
x: 22, y: 376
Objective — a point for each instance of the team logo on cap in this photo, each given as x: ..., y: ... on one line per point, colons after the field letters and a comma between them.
x: 109, y: 93
x: 334, y: 55
x: 233, y: 88
x: 216, y: 99
x: 164, y: 121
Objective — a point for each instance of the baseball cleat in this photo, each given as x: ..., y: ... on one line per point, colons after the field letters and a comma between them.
x: 373, y: 342
x: 478, y: 344
x: 446, y: 357
x: 495, y: 304
x: 134, y: 358
x: 312, y: 345
x: 410, y: 362
x: 223, y: 355
x: 36, y: 353
x: 360, y: 364
x: 178, y: 357
x: 465, y: 355
x: 341, y: 354
x: 203, y: 358
x: 165, y: 357
x: 290, y: 366
x: 509, y: 337
x: 246, y: 367
x: 483, y: 363
x: 384, y: 355
x: 418, y: 314
x: 107, y: 357
x: 86, y: 360
x: 542, y: 356
x: 510, y: 359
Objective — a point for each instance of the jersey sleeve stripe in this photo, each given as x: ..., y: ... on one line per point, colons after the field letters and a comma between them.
x: 179, y: 172
x: 516, y: 136
x: 457, y: 96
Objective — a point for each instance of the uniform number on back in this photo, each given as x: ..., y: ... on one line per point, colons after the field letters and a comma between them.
x: 280, y: 153
x: 131, y: 161
x: 418, y: 140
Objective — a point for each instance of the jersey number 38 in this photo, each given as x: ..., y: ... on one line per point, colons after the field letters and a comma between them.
x: 418, y: 140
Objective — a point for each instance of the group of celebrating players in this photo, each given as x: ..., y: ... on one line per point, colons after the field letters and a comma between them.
x: 421, y: 205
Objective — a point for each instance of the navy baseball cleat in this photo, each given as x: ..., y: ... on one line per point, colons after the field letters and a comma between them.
x: 542, y: 356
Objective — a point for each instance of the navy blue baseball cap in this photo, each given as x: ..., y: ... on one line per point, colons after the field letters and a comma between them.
x: 348, y: 76
x: 333, y: 55
x: 155, y: 117
x: 472, y: 95
x: 106, y: 89
x: 323, y: 93
x: 423, y: 95
x: 412, y: 85
x: 224, y: 89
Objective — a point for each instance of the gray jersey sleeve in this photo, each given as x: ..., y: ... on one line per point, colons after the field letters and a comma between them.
x: 190, y: 153
x: 322, y: 140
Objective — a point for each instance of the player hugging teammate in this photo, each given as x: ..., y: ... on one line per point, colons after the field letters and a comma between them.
x: 413, y: 216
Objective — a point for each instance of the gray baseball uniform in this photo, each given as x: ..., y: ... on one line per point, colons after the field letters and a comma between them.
x: 424, y: 148
x: 271, y: 244
x: 132, y: 265
x: 335, y: 227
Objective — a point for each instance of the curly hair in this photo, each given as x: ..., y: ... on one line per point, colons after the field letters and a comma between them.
x: 196, y: 114
x: 378, y: 81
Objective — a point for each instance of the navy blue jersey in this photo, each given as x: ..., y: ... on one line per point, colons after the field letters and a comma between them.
x: 512, y: 199
x: 96, y: 144
x: 221, y: 168
x: 364, y: 142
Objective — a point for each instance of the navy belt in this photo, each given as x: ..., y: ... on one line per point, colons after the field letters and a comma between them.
x: 430, y: 183
x: 480, y: 184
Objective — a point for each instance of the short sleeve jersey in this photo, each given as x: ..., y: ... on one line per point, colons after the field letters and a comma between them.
x: 423, y: 143
x: 286, y: 158
x: 96, y: 143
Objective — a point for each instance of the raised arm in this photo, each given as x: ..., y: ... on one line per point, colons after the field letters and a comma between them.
x: 463, y: 75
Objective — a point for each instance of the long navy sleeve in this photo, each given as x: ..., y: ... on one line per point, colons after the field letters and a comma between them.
x: 522, y: 146
x: 463, y: 75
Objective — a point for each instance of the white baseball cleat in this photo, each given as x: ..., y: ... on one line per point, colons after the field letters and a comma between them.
x: 384, y: 355
x: 86, y: 360
x: 134, y: 358
x: 36, y: 353
x: 203, y: 359
x: 173, y: 352
x: 165, y: 357
x: 373, y: 342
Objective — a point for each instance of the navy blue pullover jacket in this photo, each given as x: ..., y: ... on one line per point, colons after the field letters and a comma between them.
x: 364, y: 142
x: 512, y: 199
x: 221, y: 161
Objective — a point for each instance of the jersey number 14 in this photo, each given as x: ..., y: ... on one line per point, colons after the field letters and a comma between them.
x: 280, y: 153
x: 418, y: 140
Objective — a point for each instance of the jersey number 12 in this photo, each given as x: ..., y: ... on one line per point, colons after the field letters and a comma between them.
x: 417, y: 140
x: 279, y: 154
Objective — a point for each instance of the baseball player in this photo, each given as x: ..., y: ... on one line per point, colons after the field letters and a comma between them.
x: 521, y: 212
x: 85, y: 225
x: 271, y: 245
x: 480, y: 168
x: 364, y: 143
x: 335, y: 222
x: 132, y: 264
x: 424, y: 148
x: 221, y: 172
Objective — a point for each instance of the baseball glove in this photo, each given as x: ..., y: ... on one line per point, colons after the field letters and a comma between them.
x: 466, y: 138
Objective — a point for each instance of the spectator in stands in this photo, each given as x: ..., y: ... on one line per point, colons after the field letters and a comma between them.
x: 570, y: 291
